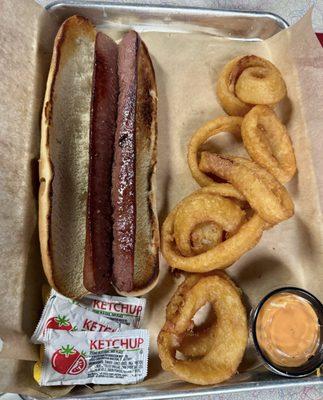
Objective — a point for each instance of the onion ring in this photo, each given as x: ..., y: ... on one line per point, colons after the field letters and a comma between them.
x: 247, y: 234
x: 197, y: 343
x: 249, y: 80
x: 228, y: 340
x: 263, y: 192
x: 268, y: 143
x: 204, y: 207
x: 211, y: 128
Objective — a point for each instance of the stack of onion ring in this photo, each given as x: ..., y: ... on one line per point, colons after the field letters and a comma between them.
x: 214, y: 354
x: 214, y: 226
x: 194, y: 237
x: 249, y: 80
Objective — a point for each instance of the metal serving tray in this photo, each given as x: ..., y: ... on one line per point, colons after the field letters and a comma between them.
x: 244, y: 26
x: 235, y: 25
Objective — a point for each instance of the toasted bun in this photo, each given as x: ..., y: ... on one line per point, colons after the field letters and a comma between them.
x: 146, y: 269
x: 64, y: 157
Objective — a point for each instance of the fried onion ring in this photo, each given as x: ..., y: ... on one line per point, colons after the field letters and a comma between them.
x: 246, y: 232
x: 263, y: 192
x: 204, y: 207
x: 211, y: 128
x: 228, y: 338
x: 268, y: 143
x: 249, y: 80
x: 196, y: 343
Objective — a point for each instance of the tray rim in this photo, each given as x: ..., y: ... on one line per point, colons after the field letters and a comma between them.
x: 154, y: 394
x: 280, y: 21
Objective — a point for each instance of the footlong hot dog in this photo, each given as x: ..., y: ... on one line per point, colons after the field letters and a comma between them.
x: 90, y: 112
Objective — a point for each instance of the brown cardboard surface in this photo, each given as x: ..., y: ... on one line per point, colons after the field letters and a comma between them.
x: 187, y: 66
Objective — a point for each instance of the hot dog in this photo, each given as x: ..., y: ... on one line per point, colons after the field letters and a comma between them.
x: 136, y: 239
x: 84, y: 124
x: 98, y: 251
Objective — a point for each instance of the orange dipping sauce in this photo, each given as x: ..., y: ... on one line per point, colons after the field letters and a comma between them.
x: 288, y: 330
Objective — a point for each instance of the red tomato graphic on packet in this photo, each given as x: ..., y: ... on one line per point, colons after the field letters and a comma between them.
x: 60, y: 322
x: 67, y: 360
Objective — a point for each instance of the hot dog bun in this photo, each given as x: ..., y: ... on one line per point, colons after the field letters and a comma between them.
x: 64, y: 157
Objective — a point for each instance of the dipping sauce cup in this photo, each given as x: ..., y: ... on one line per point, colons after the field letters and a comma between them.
x: 287, y: 330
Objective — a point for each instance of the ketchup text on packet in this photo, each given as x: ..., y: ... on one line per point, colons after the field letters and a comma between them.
x: 90, y: 325
x: 117, y: 307
x: 127, y: 343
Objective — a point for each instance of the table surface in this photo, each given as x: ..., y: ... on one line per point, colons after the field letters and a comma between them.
x: 291, y: 11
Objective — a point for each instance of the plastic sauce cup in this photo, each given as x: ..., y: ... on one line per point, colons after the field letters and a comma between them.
x: 314, y: 361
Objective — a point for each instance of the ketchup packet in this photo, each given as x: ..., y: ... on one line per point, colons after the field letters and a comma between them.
x: 64, y: 314
x: 124, y: 310
x: 78, y: 358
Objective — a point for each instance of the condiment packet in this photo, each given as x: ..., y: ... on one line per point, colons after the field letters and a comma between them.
x: 62, y: 313
x: 124, y: 310
x: 78, y: 358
